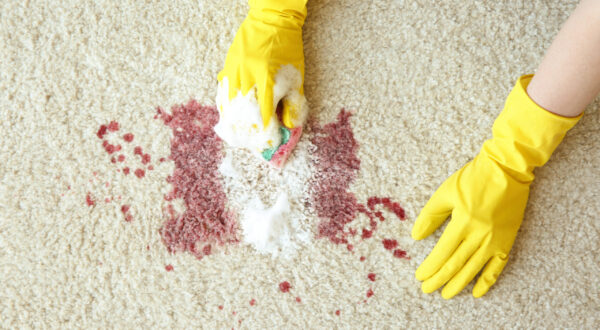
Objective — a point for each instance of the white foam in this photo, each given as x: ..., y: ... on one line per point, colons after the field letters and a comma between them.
x: 240, y: 123
x: 272, y: 230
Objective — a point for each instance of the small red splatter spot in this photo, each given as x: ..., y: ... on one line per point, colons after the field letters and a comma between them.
x: 390, y: 244
x: 350, y: 247
x: 69, y: 187
x: 298, y: 300
x: 234, y: 312
x: 88, y: 200
x: 113, y: 126
x: 128, y: 137
x: 169, y: 268
x: 252, y: 302
x: 107, y: 200
x: 162, y: 159
x: 121, y: 158
x: 139, y: 173
x: 362, y: 258
x: 126, y: 170
x: 285, y: 286
x: 207, y: 250
x: 400, y: 254
x: 148, y: 247
x: 221, y: 307
x: 113, y: 160
x: 101, y: 131
x: 145, y: 159
x: 128, y: 218
x: 150, y: 168
x: 137, y: 151
x: 95, y: 173
x: 106, y: 184
x: 366, y: 233
x: 124, y: 208
x: 371, y: 277
x: 337, y: 312
x: 369, y: 293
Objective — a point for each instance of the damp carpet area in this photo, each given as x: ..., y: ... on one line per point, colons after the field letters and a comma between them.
x: 120, y: 207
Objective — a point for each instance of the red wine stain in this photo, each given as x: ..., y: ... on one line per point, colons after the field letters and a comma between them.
x: 371, y: 277
x: 101, y: 131
x: 298, y: 300
x: 113, y: 126
x: 145, y: 159
x: 285, y: 286
x: 88, y: 200
x: 139, y: 173
x: 138, y: 151
x: 107, y: 200
x: 362, y: 258
x: 169, y: 268
x: 252, y: 302
x: 369, y: 293
x: 126, y: 170
x: 150, y: 168
x: 197, y: 153
x: 162, y: 159
x: 125, y: 208
x: 337, y: 312
x: 390, y: 244
x: 221, y: 307
x: 128, y: 137
x: 121, y: 158
x: 336, y: 165
x: 400, y: 254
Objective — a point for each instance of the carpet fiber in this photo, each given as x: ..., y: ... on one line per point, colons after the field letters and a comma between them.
x: 83, y: 242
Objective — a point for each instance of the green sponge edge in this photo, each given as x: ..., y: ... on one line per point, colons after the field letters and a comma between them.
x: 285, y: 137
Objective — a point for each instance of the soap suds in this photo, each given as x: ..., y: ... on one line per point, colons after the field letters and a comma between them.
x: 240, y: 121
x: 273, y: 204
x: 272, y: 230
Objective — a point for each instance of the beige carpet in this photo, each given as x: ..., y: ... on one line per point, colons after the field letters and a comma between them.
x: 426, y: 79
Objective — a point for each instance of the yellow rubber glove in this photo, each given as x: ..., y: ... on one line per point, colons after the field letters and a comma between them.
x: 487, y: 198
x: 264, y: 65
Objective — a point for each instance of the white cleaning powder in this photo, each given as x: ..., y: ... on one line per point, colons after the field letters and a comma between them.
x: 271, y: 230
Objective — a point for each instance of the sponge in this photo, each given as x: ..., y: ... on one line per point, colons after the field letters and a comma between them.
x: 277, y: 156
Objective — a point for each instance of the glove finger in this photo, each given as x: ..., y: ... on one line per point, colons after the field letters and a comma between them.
x: 444, y: 248
x: 266, y: 102
x: 293, y: 113
x: 465, y: 274
x: 434, y: 213
x: 489, y: 275
x: 451, y: 267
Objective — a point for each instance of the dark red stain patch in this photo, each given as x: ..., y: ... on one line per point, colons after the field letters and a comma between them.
x: 362, y: 258
x: 88, y: 200
x: 126, y: 170
x: 221, y: 307
x: 121, y: 158
x: 138, y: 151
x: 145, y: 159
x: 369, y: 293
x: 113, y: 126
x: 169, y: 268
x: 139, y: 173
x: 252, y: 302
x: 298, y: 300
x: 371, y: 277
x: 101, y: 131
x: 128, y: 137
x: 390, y: 244
x: 337, y: 312
x: 197, y: 153
x: 400, y: 254
x: 285, y: 286
x: 125, y: 208
x: 336, y: 165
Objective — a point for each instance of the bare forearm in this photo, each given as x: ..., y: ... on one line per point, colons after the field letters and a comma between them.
x: 568, y: 78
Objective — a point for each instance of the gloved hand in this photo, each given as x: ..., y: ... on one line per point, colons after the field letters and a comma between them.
x: 487, y: 198
x: 264, y: 65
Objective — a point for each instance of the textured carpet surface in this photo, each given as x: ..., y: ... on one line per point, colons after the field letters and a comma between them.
x: 425, y: 80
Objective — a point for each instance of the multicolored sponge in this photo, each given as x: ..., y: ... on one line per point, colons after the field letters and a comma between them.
x: 278, y: 155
